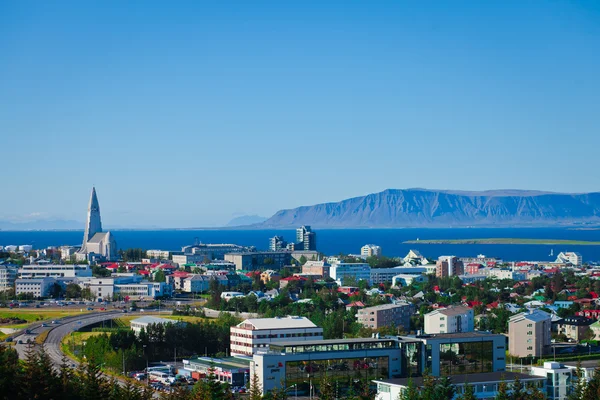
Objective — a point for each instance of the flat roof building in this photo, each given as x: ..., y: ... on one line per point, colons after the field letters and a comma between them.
x: 252, y: 335
x: 452, y: 319
x: 529, y: 333
x: 394, y: 315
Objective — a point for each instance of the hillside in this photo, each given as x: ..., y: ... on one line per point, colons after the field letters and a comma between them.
x: 440, y: 208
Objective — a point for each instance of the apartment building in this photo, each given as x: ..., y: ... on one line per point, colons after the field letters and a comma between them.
x: 252, y: 335
x: 8, y: 275
x: 449, y: 266
x: 569, y: 257
x: 251, y: 261
x: 358, y: 271
x: 370, y: 250
x: 316, y: 268
x: 575, y: 327
x: 386, y: 275
x: 453, y: 319
x: 37, y: 287
x: 395, y: 315
x: 55, y: 271
x: 529, y: 333
x: 158, y: 254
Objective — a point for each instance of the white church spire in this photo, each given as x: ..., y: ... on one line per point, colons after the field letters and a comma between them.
x: 93, y: 224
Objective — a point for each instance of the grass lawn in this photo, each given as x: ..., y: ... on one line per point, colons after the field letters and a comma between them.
x: 75, y: 340
x: 126, y: 319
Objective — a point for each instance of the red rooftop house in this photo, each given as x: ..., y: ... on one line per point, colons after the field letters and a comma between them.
x: 286, y: 281
x: 357, y: 304
x: 592, y: 314
x: 472, y: 268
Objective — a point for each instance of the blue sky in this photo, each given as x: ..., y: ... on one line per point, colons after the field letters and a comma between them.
x: 187, y: 115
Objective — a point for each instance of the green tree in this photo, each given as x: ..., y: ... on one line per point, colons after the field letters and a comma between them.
x: 326, y: 388
x: 580, y: 384
x: 255, y: 391
x: 9, y: 372
x: 469, y: 393
x: 73, y: 291
x: 518, y: 390
x: 411, y: 392
x: 502, y: 391
x: 592, y: 390
x: 159, y: 276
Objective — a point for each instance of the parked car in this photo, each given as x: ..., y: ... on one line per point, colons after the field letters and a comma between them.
x: 89, y: 308
x: 8, y: 339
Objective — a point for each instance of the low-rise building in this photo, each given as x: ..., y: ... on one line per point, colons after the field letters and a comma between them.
x: 142, y: 323
x: 36, y: 287
x: 529, y: 333
x: 270, y: 276
x: 485, y: 385
x: 251, y: 261
x: 402, y: 280
x: 453, y: 319
x: 318, y: 268
x: 356, y: 271
x: 569, y: 257
x: 158, y: 254
x: 394, y: 315
x: 232, y: 370
x: 55, y: 271
x: 252, y: 335
x: 558, y: 378
x: 575, y: 327
x: 386, y: 275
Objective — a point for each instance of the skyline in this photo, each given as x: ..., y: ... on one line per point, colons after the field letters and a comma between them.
x: 189, y: 116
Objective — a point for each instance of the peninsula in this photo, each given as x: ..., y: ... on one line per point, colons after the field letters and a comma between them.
x: 505, y: 241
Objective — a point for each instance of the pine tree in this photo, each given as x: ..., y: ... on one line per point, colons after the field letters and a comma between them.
x: 93, y: 385
x: 502, y: 391
x: 518, y: 391
x: 326, y: 388
x: 255, y: 392
x: 579, y: 387
x: 444, y: 389
x: 39, y: 378
x: 67, y: 386
x: 411, y: 392
x: 592, y: 390
x: 534, y: 393
x: 429, y: 386
x: 469, y: 393
x: 10, y: 372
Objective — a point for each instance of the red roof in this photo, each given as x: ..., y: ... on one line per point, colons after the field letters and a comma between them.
x: 294, y: 278
x: 356, y: 304
x: 180, y: 274
x: 112, y: 266
x: 251, y: 273
x: 493, y: 304
x: 167, y: 266
x: 594, y: 295
x: 144, y: 272
x: 473, y: 303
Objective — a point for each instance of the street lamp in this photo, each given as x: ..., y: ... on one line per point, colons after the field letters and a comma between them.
x: 295, y: 385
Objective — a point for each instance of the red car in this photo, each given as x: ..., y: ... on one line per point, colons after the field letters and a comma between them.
x: 103, y: 309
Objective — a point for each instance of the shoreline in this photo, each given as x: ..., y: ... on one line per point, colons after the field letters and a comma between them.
x: 510, y: 241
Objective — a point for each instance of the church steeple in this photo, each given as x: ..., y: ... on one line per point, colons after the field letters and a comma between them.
x: 93, y: 224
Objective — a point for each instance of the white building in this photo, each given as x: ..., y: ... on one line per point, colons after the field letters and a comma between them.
x: 402, y: 280
x: 499, y: 273
x: 38, y: 287
x: 558, y: 379
x: 66, y: 252
x: 160, y: 254
x: 11, y: 248
x: 126, y: 286
x: 8, y: 275
x: 370, y: 250
x: 358, y: 271
x: 96, y: 244
x: 55, y: 271
x: 414, y: 256
x: 142, y: 323
x: 386, y: 275
x: 453, y: 319
x: 252, y: 335
x: 569, y: 257
x: 25, y: 248
x: 196, y: 283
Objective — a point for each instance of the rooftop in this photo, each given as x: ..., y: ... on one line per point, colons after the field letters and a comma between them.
x: 471, y: 378
x: 152, y: 320
x: 289, y: 322
x: 459, y: 335
x: 224, y: 363
x: 384, y: 307
x: 453, y: 310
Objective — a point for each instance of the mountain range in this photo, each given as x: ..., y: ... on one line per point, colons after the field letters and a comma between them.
x: 396, y: 208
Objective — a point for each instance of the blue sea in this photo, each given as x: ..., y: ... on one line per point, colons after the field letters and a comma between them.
x: 336, y: 241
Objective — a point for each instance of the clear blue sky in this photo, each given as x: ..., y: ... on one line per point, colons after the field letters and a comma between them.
x: 186, y: 115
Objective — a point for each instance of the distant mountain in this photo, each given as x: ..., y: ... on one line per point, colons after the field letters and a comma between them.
x: 446, y: 208
x: 46, y: 224
x: 246, y: 220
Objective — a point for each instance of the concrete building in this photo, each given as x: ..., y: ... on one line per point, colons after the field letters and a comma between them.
x: 558, y: 379
x: 394, y: 315
x: 232, y: 370
x: 252, y: 261
x: 158, y: 254
x: 414, y: 256
x: 574, y: 327
x: 569, y: 257
x: 357, y: 271
x: 142, y: 323
x: 252, y: 335
x: 453, y: 319
x: 277, y: 243
x: 67, y: 253
x: 403, y: 280
x: 499, y: 273
x: 316, y: 268
x: 130, y: 286
x: 37, y: 287
x: 8, y: 276
x: 55, y: 271
x: 306, y: 239
x: 386, y: 275
x: 202, y: 253
x: 97, y: 245
x: 370, y: 250
x: 302, y: 364
x: 197, y: 283
x: 449, y: 266
x: 529, y: 333
x: 484, y: 385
